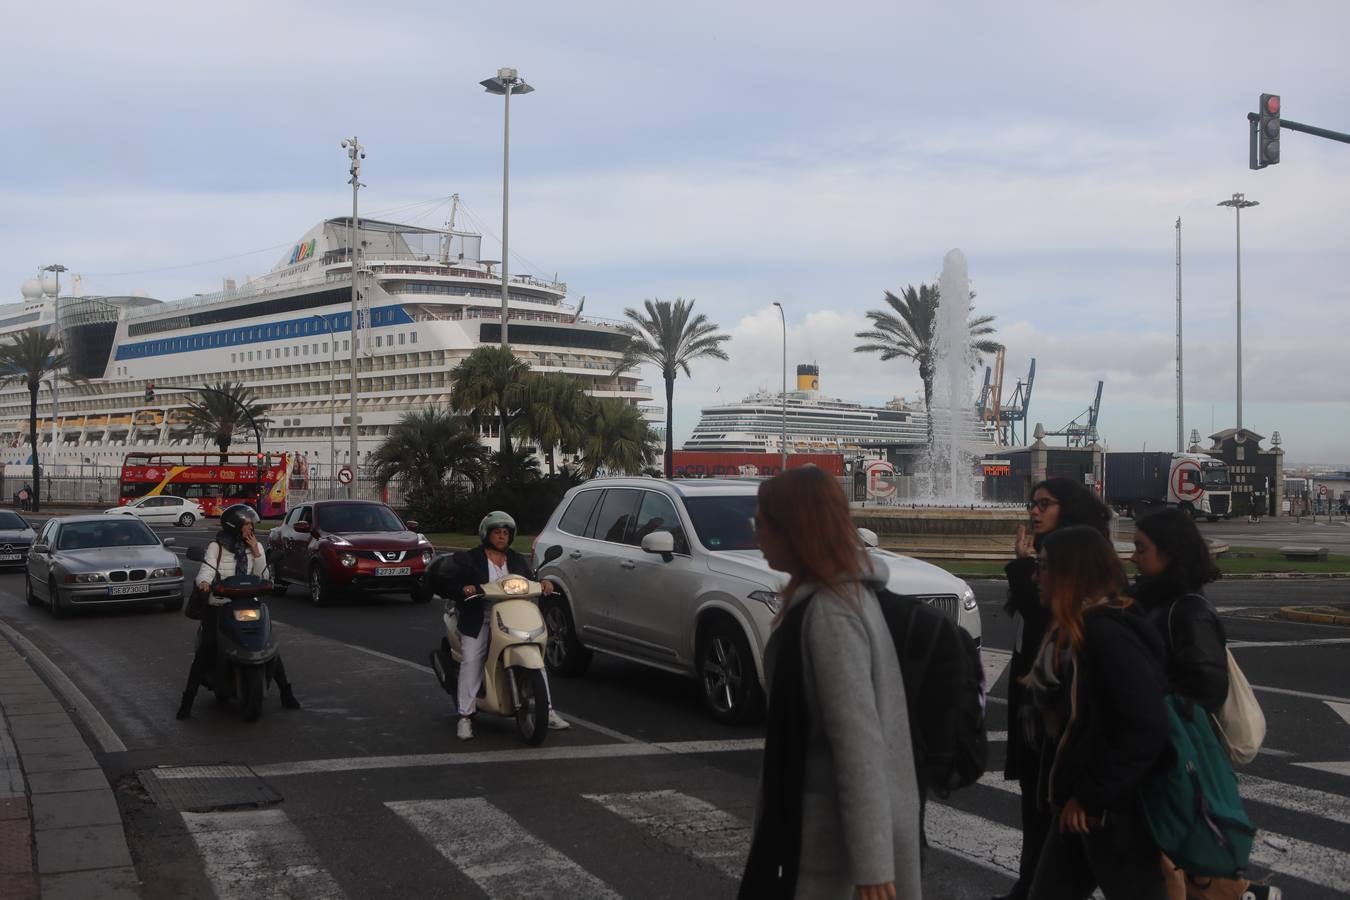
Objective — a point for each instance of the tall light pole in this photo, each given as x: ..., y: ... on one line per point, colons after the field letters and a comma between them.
x: 506, y: 82
x: 332, y: 406
x: 783, y: 317
x: 1239, y: 202
x: 356, y: 153
x: 1181, y: 437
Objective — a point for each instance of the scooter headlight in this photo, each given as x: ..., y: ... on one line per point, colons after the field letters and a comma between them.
x: 518, y: 632
x: 247, y: 615
x: 515, y: 586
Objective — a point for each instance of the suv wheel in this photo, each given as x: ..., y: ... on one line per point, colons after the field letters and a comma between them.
x: 564, y: 654
x: 726, y: 673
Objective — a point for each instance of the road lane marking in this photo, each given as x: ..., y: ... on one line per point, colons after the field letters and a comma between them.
x: 495, y: 852
x: 994, y: 662
x: 985, y: 843
x: 253, y: 854
x: 1280, y: 853
x: 1312, y: 642
x: 1333, y: 768
x: 688, y: 824
x: 1295, y: 798
x: 107, y: 738
x: 1306, y: 695
x: 585, y: 723
x: 525, y: 754
x: 1341, y: 709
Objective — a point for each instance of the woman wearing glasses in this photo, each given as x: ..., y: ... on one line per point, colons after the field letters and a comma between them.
x: 1055, y: 503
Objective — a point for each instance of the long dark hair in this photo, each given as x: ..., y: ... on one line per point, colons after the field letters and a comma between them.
x: 1188, y: 559
x: 807, y: 510
x: 1081, y: 565
x: 1077, y: 505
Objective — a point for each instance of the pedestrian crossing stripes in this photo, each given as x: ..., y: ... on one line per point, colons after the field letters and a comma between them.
x: 496, y: 852
x: 686, y: 823
x: 262, y: 854
x: 259, y: 854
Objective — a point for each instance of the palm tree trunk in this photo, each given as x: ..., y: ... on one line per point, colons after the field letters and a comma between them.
x: 670, y: 420
x: 928, y: 408
x: 552, y: 467
x: 508, y: 461
x: 36, y: 492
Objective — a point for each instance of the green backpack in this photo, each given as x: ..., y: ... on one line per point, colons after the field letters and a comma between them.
x: 1191, y: 801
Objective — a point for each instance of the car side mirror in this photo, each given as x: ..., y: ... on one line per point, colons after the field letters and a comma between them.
x: 869, y: 537
x: 552, y: 553
x: 168, y: 541
x: 662, y: 542
x: 41, y: 549
x: 411, y: 524
x: 302, y: 527
x: 196, y: 554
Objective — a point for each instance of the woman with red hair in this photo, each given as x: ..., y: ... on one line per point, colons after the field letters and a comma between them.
x: 1098, y: 684
x: 838, y: 811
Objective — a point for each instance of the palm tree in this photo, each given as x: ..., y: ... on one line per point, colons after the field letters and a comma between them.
x: 222, y: 410
x: 553, y: 407
x: 426, y: 449
x: 616, y: 439
x: 27, y: 358
x: 488, y: 382
x: 670, y: 337
x: 907, y: 330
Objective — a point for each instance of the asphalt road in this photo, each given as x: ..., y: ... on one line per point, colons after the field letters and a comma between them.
x: 643, y: 797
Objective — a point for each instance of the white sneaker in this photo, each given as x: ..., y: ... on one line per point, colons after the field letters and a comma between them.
x: 557, y: 722
x: 464, y: 730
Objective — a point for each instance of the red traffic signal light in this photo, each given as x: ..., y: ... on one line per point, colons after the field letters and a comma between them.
x: 1268, y: 131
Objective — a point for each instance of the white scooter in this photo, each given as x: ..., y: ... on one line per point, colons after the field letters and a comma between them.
x: 513, y: 671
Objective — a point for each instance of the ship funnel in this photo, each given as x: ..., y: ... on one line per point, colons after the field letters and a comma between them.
x: 808, y: 378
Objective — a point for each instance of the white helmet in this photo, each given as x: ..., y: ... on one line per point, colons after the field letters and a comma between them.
x: 496, y: 519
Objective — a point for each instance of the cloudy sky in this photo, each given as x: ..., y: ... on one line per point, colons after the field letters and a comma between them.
x: 740, y: 153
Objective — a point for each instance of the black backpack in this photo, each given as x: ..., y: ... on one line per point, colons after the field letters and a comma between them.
x: 944, y: 690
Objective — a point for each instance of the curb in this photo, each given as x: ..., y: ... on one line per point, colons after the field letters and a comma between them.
x: 1307, y: 614
x: 1250, y: 576
x: 61, y: 832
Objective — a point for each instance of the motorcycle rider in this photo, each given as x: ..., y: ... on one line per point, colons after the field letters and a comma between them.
x: 235, y: 551
x: 492, y: 559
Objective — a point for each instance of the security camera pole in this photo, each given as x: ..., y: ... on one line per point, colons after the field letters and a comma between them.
x: 356, y: 153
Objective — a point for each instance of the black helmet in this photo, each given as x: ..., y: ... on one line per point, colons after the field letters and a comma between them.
x: 496, y: 519
x: 232, y: 519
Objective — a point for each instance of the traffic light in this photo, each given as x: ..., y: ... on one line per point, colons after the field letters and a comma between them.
x: 1268, y: 131
x: 149, y: 392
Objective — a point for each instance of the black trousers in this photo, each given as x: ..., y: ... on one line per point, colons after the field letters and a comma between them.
x: 1036, y: 821
x: 1118, y: 856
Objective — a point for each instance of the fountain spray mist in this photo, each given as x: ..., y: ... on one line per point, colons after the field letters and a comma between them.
x: 951, y: 459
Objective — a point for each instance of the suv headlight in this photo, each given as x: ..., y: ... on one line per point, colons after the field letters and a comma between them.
x: 338, y: 540
x: 968, y: 599
x: 772, y: 599
x: 347, y: 559
x: 426, y: 557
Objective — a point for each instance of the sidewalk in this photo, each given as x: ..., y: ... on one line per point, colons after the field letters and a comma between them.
x: 61, y: 834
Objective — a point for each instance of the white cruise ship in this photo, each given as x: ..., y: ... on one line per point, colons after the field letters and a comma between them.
x: 427, y: 300
x: 815, y: 424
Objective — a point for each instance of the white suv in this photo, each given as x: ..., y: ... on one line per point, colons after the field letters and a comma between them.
x: 668, y: 574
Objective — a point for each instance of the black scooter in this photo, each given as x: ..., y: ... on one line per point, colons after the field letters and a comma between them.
x: 247, y: 657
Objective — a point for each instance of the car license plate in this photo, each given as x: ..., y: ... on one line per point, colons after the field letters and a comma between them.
x: 118, y: 590
x: 10, y: 557
x: 395, y: 570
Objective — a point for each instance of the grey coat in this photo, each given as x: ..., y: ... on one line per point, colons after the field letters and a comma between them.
x: 860, y: 811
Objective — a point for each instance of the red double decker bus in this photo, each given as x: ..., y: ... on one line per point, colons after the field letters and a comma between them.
x: 260, y: 481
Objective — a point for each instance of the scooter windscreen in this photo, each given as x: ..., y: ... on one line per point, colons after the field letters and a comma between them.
x: 243, y: 586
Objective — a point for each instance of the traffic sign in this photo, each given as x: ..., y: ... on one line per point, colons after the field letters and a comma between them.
x: 345, y: 474
x: 1322, y: 491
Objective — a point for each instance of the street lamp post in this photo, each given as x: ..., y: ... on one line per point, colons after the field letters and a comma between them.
x: 356, y: 153
x: 506, y: 82
x: 332, y: 407
x: 1239, y: 202
x: 783, y: 317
